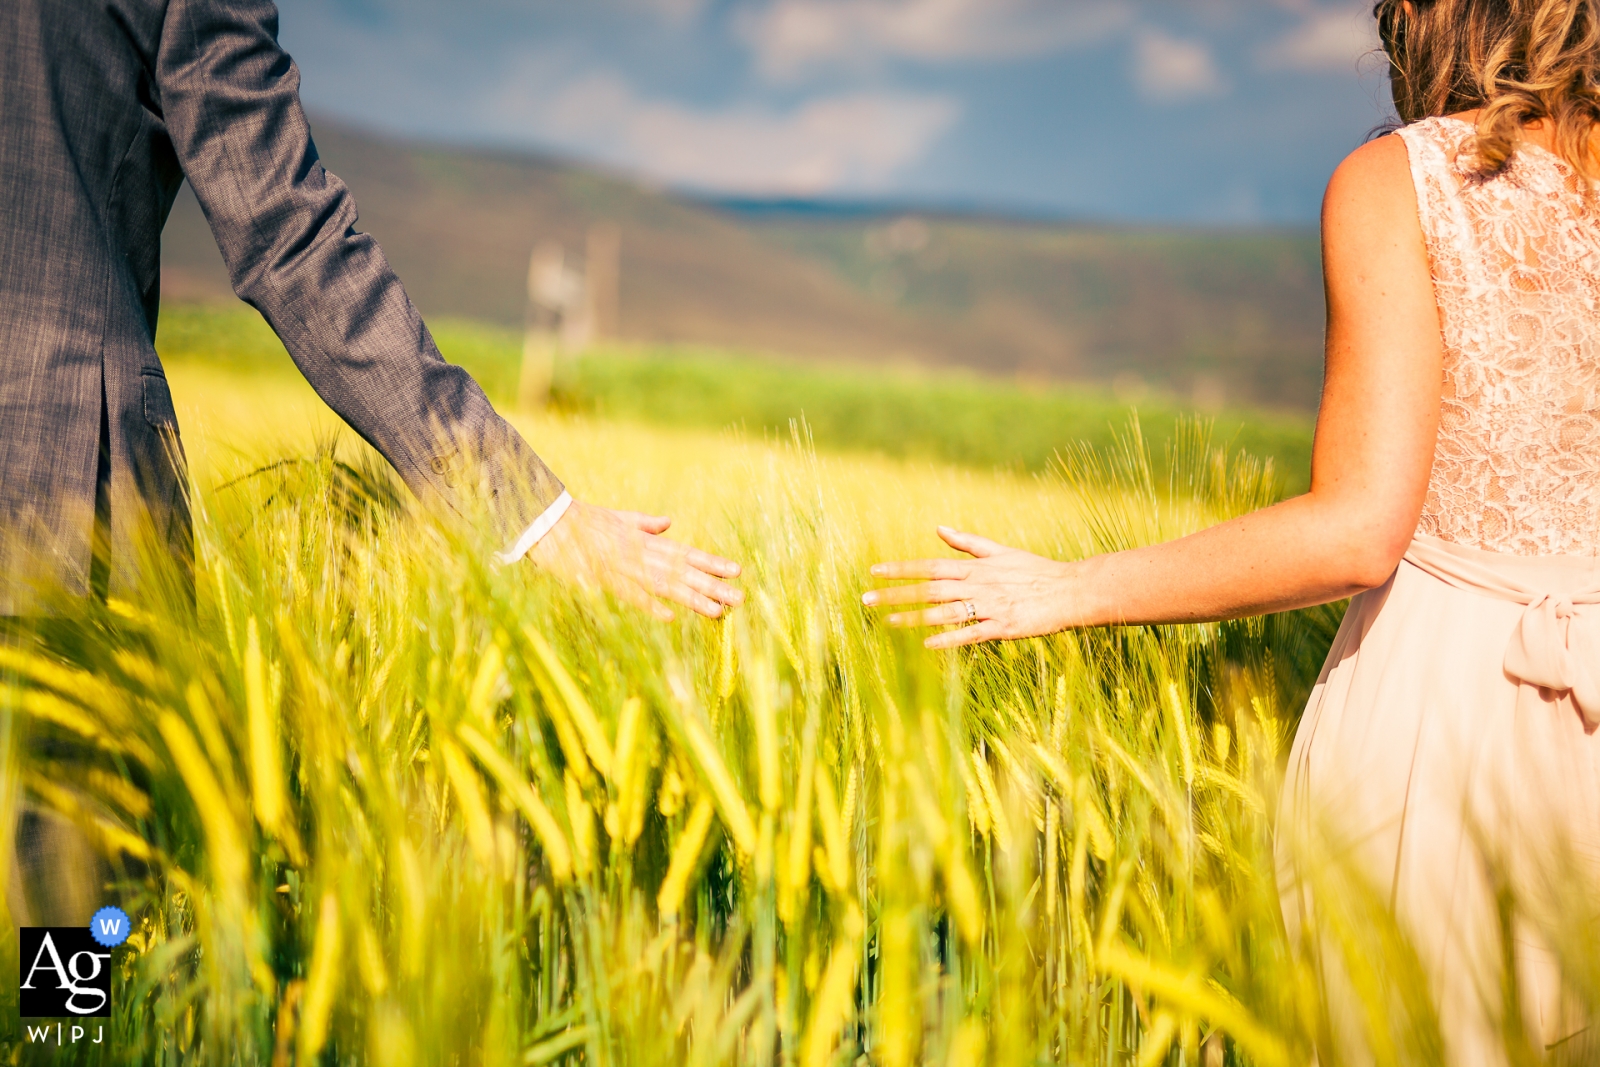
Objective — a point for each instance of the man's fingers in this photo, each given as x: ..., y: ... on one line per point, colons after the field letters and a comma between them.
x: 676, y: 556
x: 651, y: 524
x: 923, y: 569
x: 661, y: 579
x: 683, y: 593
x: 665, y: 572
x: 971, y: 544
x: 966, y: 635
x: 623, y: 551
x: 923, y: 593
x: 630, y: 589
x: 705, y: 561
x: 708, y: 586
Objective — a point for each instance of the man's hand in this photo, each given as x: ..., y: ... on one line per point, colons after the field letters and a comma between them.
x: 1001, y: 594
x: 623, y: 551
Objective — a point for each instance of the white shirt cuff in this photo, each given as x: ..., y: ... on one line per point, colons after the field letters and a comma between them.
x: 535, y: 533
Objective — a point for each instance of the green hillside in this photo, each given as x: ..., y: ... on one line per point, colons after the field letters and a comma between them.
x: 1210, y: 315
x: 1216, y: 318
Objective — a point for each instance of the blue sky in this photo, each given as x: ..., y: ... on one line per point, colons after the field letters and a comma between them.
x: 1190, y: 111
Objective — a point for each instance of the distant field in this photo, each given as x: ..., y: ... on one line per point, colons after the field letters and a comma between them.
x: 948, y: 416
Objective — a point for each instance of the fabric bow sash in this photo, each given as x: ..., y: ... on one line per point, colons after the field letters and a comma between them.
x: 1556, y: 644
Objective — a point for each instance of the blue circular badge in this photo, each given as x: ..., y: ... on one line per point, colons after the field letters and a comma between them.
x: 110, y: 927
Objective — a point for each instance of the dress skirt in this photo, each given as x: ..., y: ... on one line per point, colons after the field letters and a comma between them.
x: 1447, y: 763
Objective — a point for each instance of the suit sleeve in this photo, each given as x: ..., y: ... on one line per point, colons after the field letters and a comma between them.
x: 286, y: 229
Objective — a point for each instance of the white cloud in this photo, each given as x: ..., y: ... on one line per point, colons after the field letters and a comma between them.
x: 1326, y: 40
x: 792, y: 36
x: 1170, y: 69
x: 855, y: 141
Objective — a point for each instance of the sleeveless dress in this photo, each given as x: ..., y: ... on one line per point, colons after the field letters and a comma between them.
x: 1450, y: 753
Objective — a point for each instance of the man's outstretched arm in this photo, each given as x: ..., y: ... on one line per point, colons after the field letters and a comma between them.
x: 286, y: 229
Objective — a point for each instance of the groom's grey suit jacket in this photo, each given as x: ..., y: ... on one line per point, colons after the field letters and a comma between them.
x: 105, y: 107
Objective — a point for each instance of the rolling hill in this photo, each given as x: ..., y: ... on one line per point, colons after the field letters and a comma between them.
x: 1229, y: 316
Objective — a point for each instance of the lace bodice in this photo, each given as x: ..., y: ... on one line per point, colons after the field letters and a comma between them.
x: 1516, y: 270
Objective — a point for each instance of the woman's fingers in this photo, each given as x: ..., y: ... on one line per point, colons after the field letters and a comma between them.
x: 944, y: 569
x: 944, y: 615
x: 993, y: 596
x: 966, y: 635
x: 971, y: 544
x: 938, y: 592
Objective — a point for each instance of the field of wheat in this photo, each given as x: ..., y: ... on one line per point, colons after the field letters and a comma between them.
x: 372, y: 800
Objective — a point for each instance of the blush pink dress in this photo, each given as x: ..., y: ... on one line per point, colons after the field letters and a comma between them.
x: 1449, y: 754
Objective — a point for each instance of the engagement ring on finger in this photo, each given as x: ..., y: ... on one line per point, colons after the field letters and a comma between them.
x: 972, y: 611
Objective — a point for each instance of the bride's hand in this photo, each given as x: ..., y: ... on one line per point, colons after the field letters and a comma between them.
x: 623, y: 551
x: 999, y: 595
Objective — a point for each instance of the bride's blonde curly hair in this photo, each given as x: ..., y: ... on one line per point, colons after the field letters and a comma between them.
x: 1518, y: 60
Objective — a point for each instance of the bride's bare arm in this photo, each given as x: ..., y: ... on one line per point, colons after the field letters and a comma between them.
x: 1374, y: 450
